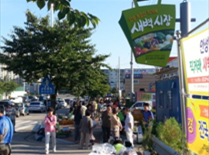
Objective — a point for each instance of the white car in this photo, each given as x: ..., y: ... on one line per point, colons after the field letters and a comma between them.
x: 140, y: 105
x: 17, y: 100
x: 62, y: 103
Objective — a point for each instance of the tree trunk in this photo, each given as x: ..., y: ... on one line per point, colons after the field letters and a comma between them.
x: 53, y: 100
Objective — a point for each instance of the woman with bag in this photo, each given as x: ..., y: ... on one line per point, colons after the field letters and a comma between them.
x: 50, y: 129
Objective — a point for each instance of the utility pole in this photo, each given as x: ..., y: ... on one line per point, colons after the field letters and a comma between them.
x: 52, y: 14
x: 119, y: 94
x: 185, y: 17
x: 131, y: 65
x: 185, y: 26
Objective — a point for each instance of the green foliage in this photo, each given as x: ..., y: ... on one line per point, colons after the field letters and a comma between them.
x: 148, y: 132
x: 113, y: 90
x: 170, y: 133
x: 62, y: 52
x: 7, y: 86
x: 74, y: 17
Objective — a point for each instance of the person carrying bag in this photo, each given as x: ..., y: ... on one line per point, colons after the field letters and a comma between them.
x: 50, y: 129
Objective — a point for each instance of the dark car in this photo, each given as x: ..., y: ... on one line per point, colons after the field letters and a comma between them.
x: 7, y: 104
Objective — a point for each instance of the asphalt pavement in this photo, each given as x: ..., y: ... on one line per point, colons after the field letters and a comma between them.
x: 24, y: 142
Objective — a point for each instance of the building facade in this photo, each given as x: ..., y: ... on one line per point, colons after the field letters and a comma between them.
x: 113, y: 78
x: 143, y: 78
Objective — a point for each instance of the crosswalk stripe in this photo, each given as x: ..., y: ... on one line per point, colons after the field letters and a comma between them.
x: 24, y: 125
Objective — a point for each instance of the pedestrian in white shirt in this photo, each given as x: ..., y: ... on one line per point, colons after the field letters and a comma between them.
x: 129, y: 125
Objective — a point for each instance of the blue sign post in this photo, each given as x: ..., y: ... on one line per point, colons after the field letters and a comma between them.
x: 46, y: 86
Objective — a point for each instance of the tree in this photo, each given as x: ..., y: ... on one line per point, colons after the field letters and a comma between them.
x: 113, y: 90
x: 7, y: 87
x: 62, y: 52
x: 74, y: 17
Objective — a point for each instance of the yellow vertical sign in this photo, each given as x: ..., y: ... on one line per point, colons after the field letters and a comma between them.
x: 195, y: 53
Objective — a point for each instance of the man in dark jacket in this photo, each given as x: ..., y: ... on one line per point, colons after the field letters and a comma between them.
x: 106, y: 123
x: 77, y: 120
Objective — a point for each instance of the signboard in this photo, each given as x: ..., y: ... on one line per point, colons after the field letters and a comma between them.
x: 196, y: 72
x: 150, y: 32
x: 198, y: 126
x: 196, y: 63
x: 141, y: 71
x: 142, y: 96
x: 46, y: 86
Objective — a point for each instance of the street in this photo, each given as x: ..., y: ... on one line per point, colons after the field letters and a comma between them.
x: 24, y: 140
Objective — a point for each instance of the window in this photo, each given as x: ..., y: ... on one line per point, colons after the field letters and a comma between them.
x: 169, y: 100
x: 136, y: 81
x: 139, y: 105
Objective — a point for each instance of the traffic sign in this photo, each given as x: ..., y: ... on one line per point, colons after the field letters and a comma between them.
x: 46, y: 86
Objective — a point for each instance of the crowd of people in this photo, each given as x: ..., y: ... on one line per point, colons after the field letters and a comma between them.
x: 114, y: 121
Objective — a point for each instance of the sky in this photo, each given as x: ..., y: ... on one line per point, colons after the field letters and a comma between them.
x: 108, y: 36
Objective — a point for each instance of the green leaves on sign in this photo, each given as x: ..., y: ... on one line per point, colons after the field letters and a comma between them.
x: 40, y: 3
x: 62, y: 13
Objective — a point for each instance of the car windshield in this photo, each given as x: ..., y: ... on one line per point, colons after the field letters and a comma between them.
x: 19, y: 104
x: 5, y: 104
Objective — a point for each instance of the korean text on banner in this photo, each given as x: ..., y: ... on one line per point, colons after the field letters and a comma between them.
x: 150, y: 32
x: 195, y: 54
x: 198, y: 126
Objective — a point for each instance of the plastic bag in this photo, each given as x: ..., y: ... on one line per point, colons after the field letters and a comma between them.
x: 127, y: 152
x: 103, y: 149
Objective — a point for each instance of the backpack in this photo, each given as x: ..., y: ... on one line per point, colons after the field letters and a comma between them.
x: 41, y: 131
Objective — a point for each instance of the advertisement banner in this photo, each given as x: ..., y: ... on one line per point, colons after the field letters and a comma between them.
x: 141, y: 71
x: 196, y: 65
x: 198, y: 126
x: 150, y: 32
x: 142, y: 96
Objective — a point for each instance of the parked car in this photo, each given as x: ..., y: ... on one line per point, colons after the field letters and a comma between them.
x: 140, y: 105
x: 37, y: 106
x: 62, y: 103
x: 42, y: 98
x: 67, y: 101
x: 7, y: 105
x: 23, y: 108
x: 17, y: 99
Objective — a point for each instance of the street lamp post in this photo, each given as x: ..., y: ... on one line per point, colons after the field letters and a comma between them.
x: 131, y: 62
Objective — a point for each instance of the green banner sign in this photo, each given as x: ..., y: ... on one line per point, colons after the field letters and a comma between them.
x: 150, y: 32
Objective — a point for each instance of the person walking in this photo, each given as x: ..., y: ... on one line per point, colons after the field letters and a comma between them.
x: 77, y: 120
x: 116, y: 126
x: 147, y: 114
x: 6, y: 133
x: 90, y: 110
x: 50, y: 129
x: 129, y: 126
x: 106, y: 123
x: 83, y: 109
x: 86, y: 126
x: 13, y: 116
